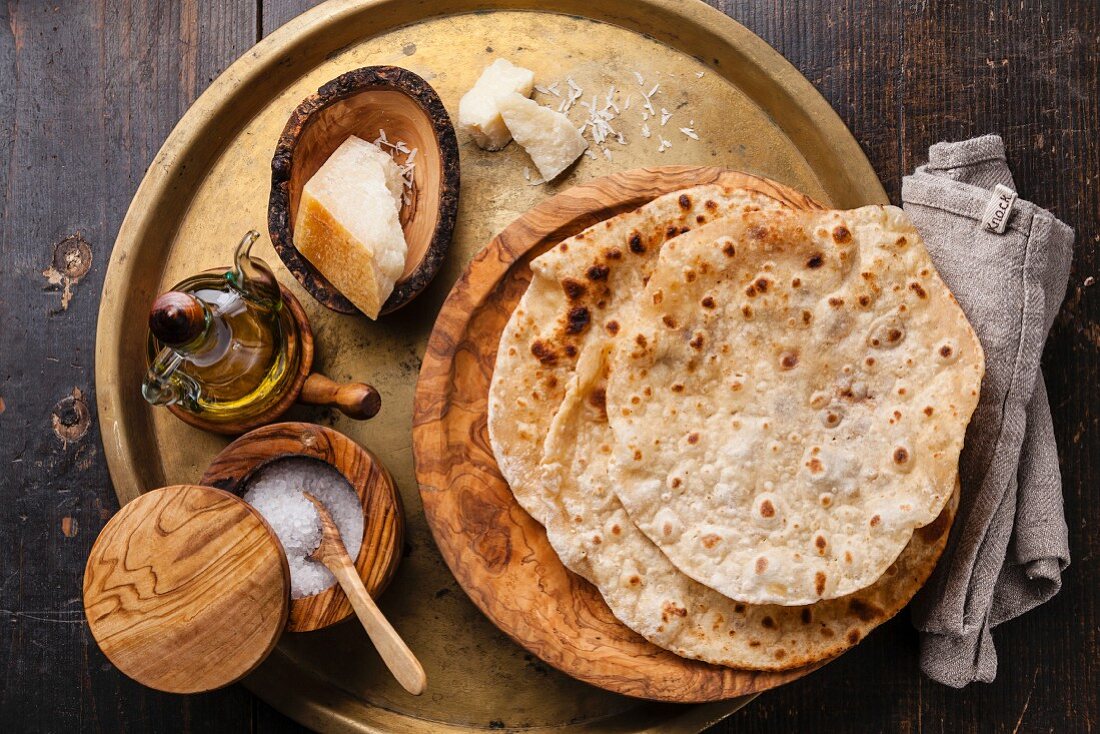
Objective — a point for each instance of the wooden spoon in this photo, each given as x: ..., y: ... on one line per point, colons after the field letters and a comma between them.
x: 395, y: 653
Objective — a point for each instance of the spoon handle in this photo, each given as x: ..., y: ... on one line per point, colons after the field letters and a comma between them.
x: 395, y: 653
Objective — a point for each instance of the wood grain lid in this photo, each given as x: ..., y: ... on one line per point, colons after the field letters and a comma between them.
x: 186, y: 589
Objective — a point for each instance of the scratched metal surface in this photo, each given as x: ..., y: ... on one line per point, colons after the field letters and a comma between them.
x: 89, y: 91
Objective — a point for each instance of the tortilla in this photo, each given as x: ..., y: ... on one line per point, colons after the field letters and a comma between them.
x: 789, y: 400
x: 577, y: 292
x: 594, y: 537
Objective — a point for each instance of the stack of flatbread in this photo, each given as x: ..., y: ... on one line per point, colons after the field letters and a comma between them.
x: 738, y: 420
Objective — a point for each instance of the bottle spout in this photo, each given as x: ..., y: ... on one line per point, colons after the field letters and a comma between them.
x: 166, y: 384
x: 252, y: 276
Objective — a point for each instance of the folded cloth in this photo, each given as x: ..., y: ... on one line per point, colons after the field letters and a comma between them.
x: 1009, y: 543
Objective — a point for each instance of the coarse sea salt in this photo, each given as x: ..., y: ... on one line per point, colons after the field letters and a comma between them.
x: 276, y: 493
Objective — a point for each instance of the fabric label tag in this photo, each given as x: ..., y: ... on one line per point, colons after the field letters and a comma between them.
x: 998, y: 210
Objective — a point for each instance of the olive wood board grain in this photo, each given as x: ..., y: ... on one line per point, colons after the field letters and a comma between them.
x: 186, y: 589
x: 498, y: 553
x: 383, y: 517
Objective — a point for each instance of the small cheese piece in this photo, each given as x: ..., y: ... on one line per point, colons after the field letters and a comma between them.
x: 348, y: 223
x: 548, y: 136
x: 478, y: 111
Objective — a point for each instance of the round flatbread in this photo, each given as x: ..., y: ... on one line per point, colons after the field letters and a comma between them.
x: 788, y: 401
x: 574, y: 302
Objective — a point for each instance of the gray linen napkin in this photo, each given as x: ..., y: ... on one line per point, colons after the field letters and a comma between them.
x: 1009, y: 543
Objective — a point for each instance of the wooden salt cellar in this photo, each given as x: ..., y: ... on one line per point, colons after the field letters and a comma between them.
x: 384, y: 519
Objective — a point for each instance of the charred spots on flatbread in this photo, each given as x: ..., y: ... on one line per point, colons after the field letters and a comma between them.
x: 636, y: 244
x: 543, y: 352
x: 788, y: 360
x: 612, y: 327
x: 672, y: 609
x: 707, y: 302
x: 574, y: 289
x: 578, y: 319
x: 841, y: 235
x: 684, y: 201
x: 815, y: 261
x: 864, y: 611
x: 598, y: 271
x: 758, y: 232
x: 598, y: 400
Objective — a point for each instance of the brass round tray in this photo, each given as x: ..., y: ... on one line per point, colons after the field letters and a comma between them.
x: 210, y: 182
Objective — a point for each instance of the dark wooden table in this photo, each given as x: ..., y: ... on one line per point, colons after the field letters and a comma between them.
x: 89, y: 90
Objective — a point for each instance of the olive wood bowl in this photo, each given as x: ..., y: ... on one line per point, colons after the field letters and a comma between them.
x: 383, y: 516
x: 362, y: 102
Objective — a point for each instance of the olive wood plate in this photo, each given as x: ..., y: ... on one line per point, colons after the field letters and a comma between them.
x: 384, y: 520
x: 498, y: 553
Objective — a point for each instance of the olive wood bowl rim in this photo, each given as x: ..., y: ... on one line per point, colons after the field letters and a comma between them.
x: 344, y: 86
x: 308, y: 613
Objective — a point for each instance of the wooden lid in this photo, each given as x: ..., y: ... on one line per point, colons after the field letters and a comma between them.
x: 186, y: 589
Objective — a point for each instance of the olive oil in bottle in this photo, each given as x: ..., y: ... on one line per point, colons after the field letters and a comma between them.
x: 222, y: 346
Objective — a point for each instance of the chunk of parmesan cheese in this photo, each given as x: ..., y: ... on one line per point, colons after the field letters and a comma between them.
x: 348, y: 223
x: 479, y: 111
x: 548, y: 136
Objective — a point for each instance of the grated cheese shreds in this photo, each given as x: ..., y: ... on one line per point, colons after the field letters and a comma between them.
x: 542, y: 89
x: 607, y: 154
x: 575, y: 93
x: 640, y: 78
x: 406, y: 166
x: 665, y: 145
x: 699, y: 74
x: 665, y: 115
x: 689, y: 132
x: 649, y: 102
x: 645, y: 130
x: 588, y: 153
x: 599, y: 119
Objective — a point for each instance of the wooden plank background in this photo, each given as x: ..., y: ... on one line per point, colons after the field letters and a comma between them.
x: 90, y: 89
